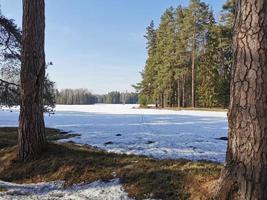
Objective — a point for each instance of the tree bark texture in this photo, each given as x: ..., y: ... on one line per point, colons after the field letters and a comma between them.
x: 245, y: 174
x: 31, y: 133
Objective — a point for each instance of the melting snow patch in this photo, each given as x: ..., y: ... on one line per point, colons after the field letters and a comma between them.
x: 99, y: 190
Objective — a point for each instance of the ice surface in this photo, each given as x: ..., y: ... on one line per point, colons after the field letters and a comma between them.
x: 156, y: 133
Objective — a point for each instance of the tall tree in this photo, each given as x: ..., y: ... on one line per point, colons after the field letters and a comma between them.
x: 166, y: 57
x: 245, y: 176
x: 31, y: 133
x: 225, y: 29
x: 182, y: 57
x: 208, y: 69
x: 150, y: 72
x: 195, y: 25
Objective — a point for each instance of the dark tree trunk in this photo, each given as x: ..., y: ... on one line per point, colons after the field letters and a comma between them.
x: 193, y: 68
x: 31, y: 133
x: 193, y: 80
x: 245, y: 174
x: 165, y: 100
x: 183, y: 91
x: 162, y: 100
x: 178, y: 93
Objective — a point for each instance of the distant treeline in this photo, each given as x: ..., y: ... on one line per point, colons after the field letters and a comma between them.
x: 118, y: 98
x: 84, y: 97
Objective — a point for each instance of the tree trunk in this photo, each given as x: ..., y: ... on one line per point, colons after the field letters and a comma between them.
x: 245, y: 174
x: 178, y: 93
x: 31, y: 133
x: 165, y: 101
x: 162, y: 100
x: 193, y: 67
x: 183, y: 92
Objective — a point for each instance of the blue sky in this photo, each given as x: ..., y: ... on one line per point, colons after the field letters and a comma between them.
x: 97, y: 44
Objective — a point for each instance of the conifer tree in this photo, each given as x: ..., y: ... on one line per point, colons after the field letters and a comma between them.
x: 208, y: 69
x: 195, y: 24
x: 182, y: 56
x: 150, y: 72
x: 166, y: 56
x: 31, y: 133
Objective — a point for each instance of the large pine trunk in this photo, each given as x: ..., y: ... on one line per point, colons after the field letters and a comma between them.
x: 31, y: 133
x: 245, y: 174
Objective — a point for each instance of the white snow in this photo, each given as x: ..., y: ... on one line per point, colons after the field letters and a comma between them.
x: 99, y: 190
x: 157, y: 133
x: 132, y: 109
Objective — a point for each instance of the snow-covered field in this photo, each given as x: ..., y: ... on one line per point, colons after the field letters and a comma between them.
x: 124, y: 129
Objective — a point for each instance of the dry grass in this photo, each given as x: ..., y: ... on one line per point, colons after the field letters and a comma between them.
x: 8, y: 136
x: 3, y: 189
x: 141, y: 176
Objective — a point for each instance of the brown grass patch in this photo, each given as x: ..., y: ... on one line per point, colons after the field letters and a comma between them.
x: 3, y: 189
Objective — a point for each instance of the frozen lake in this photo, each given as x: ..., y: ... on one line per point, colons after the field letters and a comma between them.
x: 157, y: 133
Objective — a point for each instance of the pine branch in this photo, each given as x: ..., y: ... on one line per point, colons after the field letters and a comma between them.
x: 8, y: 83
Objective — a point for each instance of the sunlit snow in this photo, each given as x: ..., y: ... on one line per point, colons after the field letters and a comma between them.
x: 156, y: 133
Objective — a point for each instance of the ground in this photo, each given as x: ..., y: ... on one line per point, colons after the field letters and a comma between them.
x: 141, y: 177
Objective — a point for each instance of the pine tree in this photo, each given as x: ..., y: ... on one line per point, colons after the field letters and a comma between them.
x: 208, y: 68
x: 31, y: 132
x: 225, y: 28
x: 244, y: 175
x: 195, y: 25
x: 150, y: 73
x: 182, y: 56
x: 165, y: 81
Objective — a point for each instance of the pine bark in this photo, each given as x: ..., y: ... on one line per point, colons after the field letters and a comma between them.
x: 31, y: 133
x: 245, y: 174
